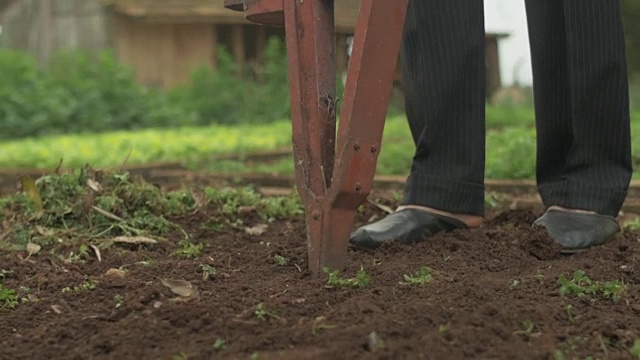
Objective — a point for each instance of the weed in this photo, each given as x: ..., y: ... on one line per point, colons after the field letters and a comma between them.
x: 581, y: 285
x: 632, y: 225
x: 277, y: 208
x: 397, y: 196
x: 219, y: 344
x: 8, y: 298
x: 261, y: 313
x: 119, y: 300
x: 281, y: 260
x: 81, y: 255
x: 189, y: 249
x: 569, y: 311
x: 361, y: 280
x: 613, y: 290
x: 181, y: 356
x: 527, y: 329
x: 319, y: 325
x: 423, y: 276
x: 87, y: 285
x: 208, y: 271
x: 635, y: 349
x: 443, y: 328
x: 493, y: 199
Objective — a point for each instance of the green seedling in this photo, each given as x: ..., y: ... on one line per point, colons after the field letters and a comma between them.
x: 208, y: 271
x: 493, y: 199
x: 261, y: 313
x: 443, y: 328
x: 361, y: 280
x: 423, y: 276
x: 87, y: 285
x: 635, y: 349
x: 613, y: 290
x: 281, y: 260
x: 83, y: 253
x: 8, y: 298
x: 319, y: 325
x: 181, y: 356
x: 581, y: 285
x: 189, y: 249
x: 119, y: 300
x: 527, y: 329
x: 632, y: 225
x: 219, y: 344
x: 569, y: 311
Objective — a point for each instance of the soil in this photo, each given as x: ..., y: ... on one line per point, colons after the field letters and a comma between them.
x: 494, y: 295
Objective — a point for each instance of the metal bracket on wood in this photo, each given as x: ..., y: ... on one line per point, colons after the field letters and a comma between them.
x: 334, y: 174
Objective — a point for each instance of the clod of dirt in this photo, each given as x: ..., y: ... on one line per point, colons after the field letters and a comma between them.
x: 515, y: 218
x: 115, y: 273
x: 539, y: 244
x: 33, y: 249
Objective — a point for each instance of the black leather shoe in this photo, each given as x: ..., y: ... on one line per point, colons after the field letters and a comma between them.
x: 578, y: 231
x: 407, y: 226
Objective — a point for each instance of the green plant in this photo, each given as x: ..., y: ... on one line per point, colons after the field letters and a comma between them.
x: 527, y: 328
x: 635, y: 349
x: 422, y: 276
x: 82, y: 254
x: 208, y: 271
x: 281, y: 260
x: 119, y: 300
x: 219, y: 344
x: 580, y: 285
x: 189, y: 249
x: 630, y: 226
x: 569, y: 311
x: 262, y: 313
x: 181, y: 356
x: 8, y: 298
x: 361, y: 280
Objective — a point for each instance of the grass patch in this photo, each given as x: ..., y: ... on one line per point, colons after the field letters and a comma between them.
x: 74, y: 211
x: 361, y: 280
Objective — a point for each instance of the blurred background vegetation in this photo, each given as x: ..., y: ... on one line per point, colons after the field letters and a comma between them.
x: 79, y: 93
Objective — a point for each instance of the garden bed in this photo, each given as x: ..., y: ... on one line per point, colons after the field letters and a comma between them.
x: 239, y: 289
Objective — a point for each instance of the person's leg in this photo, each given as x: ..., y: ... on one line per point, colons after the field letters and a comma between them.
x: 444, y: 83
x: 582, y: 115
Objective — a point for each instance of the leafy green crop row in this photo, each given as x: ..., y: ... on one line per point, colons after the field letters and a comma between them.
x: 510, y: 149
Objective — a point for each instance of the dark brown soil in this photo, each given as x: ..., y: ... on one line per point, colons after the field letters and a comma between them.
x: 494, y: 295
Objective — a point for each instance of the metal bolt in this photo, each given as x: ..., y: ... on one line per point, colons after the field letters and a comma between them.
x: 374, y: 149
x: 358, y: 187
x: 356, y: 147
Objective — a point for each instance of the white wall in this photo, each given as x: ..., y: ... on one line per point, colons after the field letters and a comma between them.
x: 509, y: 16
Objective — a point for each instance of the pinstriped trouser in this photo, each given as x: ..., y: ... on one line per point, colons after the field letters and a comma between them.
x: 583, y: 155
